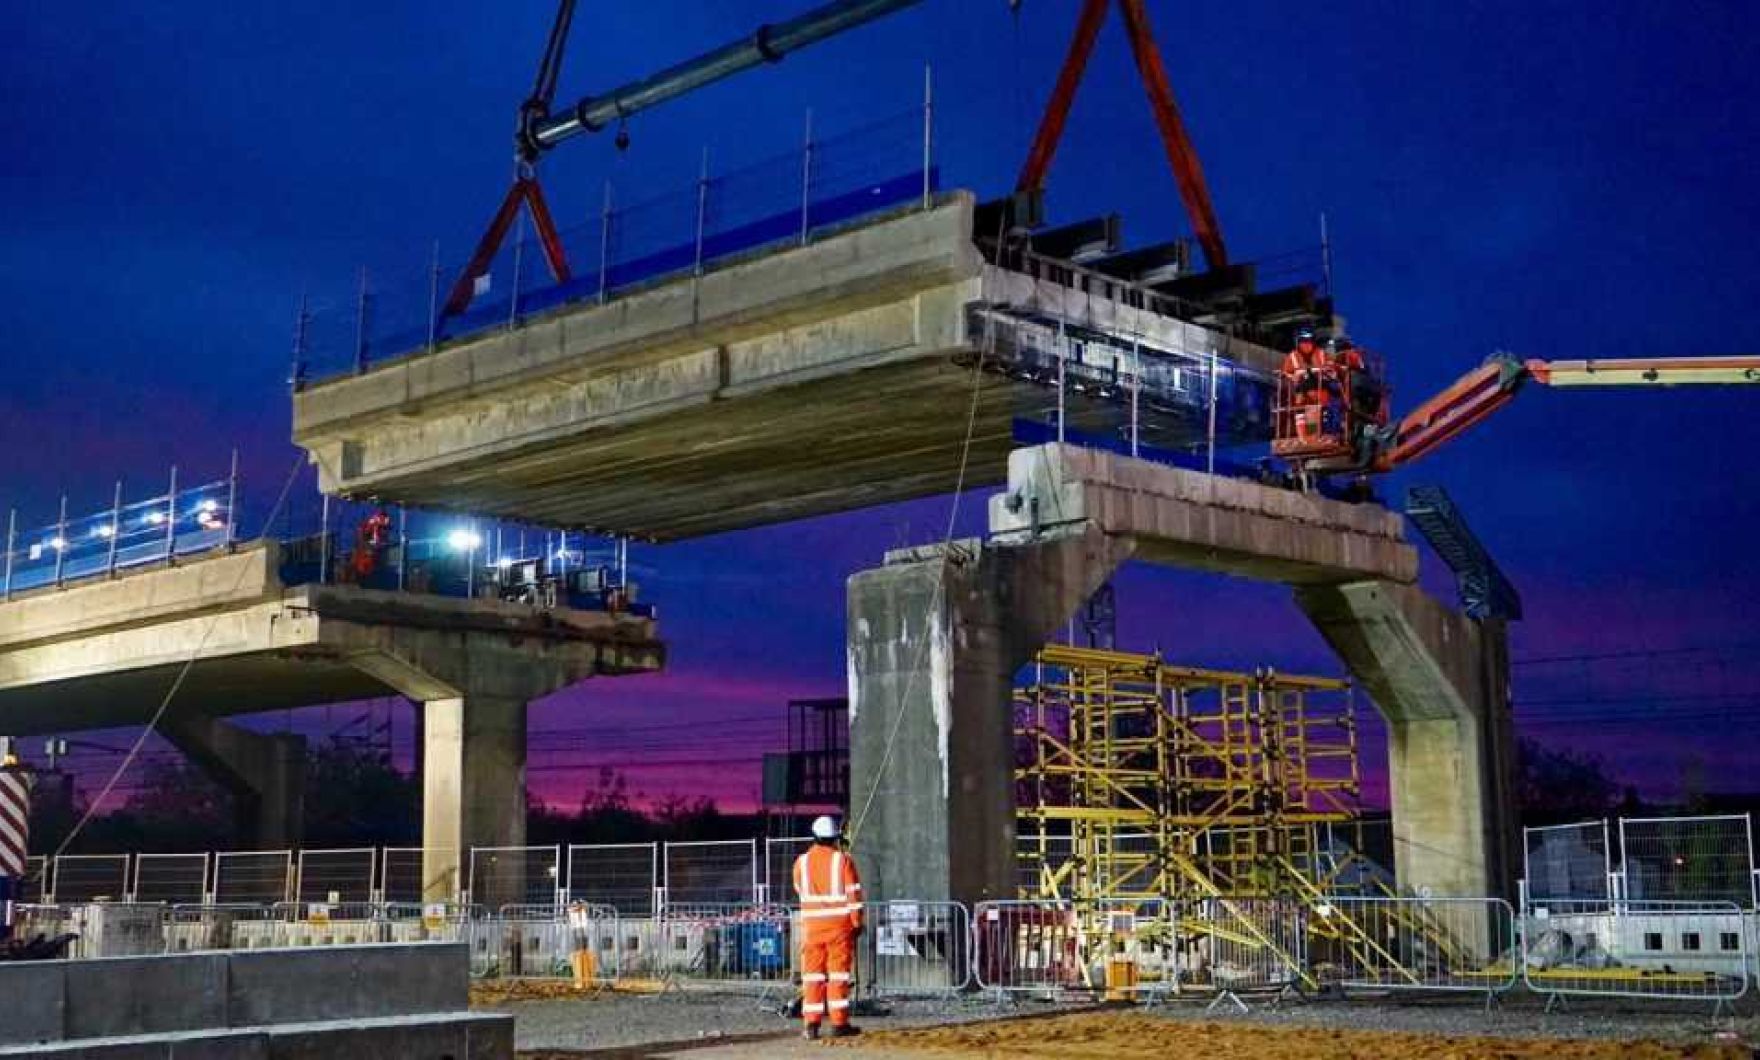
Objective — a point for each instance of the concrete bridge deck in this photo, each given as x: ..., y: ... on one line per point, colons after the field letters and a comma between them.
x: 810, y: 380
x: 103, y: 654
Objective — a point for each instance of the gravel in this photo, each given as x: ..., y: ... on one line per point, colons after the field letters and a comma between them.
x: 631, y: 1026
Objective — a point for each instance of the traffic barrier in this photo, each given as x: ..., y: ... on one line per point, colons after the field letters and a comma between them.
x: 1119, y: 947
x: 1629, y: 949
x: 242, y: 926
x: 914, y: 949
x: 328, y: 924
x: 1241, y: 945
x: 1465, y: 945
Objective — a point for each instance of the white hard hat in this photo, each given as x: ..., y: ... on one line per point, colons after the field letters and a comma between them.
x: 825, y: 827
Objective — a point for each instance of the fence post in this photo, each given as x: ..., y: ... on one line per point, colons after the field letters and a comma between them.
x: 1136, y: 389
x: 324, y: 539
x: 434, y: 296
x: 1210, y: 430
x: 702, y: 207
x: 296, y: 380
x: 928, y: 130
x: 60, y: 541
x: 806, y: 177
x: 11, y: 546
x: 115, y: 529
x: 605, y: 244
x: 171, y: 519
x: 360, y: 325
x: 231, y: 503
x: 402, y: 546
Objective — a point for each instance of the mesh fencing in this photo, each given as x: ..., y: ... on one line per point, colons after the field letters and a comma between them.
x: 88, y: 877
x: 515, y: 875
x: 779, y: 858
x: 254, y: 877
x: 621, y: 876
x: 1567, y: 862
x: 711, y: 873
x: 336, y: 876
x: 1695, y: 859
x: 171, y: 878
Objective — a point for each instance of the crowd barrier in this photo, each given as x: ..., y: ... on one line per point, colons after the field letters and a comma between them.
x: 1224, y: 948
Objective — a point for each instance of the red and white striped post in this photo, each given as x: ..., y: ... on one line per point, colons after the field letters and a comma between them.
x: 15, y: 815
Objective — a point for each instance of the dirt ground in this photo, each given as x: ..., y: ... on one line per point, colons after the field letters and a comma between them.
x: 1134, y: 1036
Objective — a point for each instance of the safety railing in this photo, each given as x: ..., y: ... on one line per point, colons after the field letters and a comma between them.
x: 172, y: 878
x: 336, y: 876
x: 502, y: 876
x: 1682, y: 951
x: 1462, y: 945
x: 1243, y: 946
x: 624, y: 876
x: 185, y: 519
x: 723, y: 216
x: 1047, y: 948
x: 712, y: 872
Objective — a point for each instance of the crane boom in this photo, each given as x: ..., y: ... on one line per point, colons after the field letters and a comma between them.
x: 768, y: 44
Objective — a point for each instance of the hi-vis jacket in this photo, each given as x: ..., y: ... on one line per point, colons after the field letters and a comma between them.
x: 830, y: 890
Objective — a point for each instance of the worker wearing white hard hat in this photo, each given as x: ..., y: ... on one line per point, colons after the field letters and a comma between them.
x: 830, y: 893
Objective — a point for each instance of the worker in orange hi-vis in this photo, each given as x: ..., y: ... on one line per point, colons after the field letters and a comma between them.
x: 830, y: 893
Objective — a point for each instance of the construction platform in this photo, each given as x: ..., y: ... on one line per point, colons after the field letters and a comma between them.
x: 796, y: 382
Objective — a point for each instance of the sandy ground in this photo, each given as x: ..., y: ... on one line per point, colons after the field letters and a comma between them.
x: 697, y: 1026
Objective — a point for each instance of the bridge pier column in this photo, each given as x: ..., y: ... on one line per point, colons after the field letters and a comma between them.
x: 264, y: 772
x: 1441, y: 681
x: 473, y: 794
x: 935, y: 639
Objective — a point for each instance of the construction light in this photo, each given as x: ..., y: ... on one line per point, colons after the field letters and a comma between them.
x: 103, y: 530
x: 58, y: 543
x: 464, y: 540
x: 154, y: 518
x: 504, y: 562
x: 209, y: 505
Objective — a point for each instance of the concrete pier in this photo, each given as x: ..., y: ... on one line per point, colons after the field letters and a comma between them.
x: 107, y: 653
x: 935, y: 641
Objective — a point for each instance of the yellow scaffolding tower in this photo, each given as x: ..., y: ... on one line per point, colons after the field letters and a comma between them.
x: 1138, y: 779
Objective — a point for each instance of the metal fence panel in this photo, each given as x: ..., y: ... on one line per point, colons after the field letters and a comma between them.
x: 1568, y: 862
x: 711, y: 873
x: 914, y: 949
x: 240, y: 926
x: 1690, y: 859
x: 324, y: 923
x: 1250, y: 944
x: 36, y: 880
x: 335, y: 876
x: 1446, y: 944
x: 524, y: 875
x: 1638, y: 949
x: 87, y: 877
x: 779, y: 858
x: 1120, y: 946
x: 171, y: 878
x: 623, y: 876
x: 260, y: 877
x: 403, y: 877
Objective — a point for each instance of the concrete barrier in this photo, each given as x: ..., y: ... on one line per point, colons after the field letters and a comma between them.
x: 292, y: 996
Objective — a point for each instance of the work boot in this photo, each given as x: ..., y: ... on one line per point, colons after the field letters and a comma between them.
x: 844, y: 1030
x: 811, y: 1033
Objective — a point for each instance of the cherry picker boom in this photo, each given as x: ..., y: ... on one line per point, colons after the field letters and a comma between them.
x: 1332, y: 419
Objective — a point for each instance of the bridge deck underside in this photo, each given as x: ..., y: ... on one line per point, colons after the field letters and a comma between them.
x: 884, y: 434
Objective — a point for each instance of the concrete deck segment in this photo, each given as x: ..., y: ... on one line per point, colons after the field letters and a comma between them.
x: 106, y: 653
x: 793, y: 383
x: 1183, y: 518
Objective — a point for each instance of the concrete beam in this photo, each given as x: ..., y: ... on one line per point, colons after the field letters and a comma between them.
x: 1204, y: 522
x: 264, y: 772
x: 935, y: 640
x: 1441, y: 680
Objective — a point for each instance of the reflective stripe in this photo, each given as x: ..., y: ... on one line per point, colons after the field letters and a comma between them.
x: 803, y: 877
x: 855, y: 887
x: 821, y: 914
x: 813, y: 977
x: 812, y: 1010
x: 839, y: 1003
x: 840, y: 977
x: 837, y: 874
x: 855, y: 907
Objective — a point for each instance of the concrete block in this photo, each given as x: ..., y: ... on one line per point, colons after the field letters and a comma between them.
x: 322, y: 983
x: 34, y: 1003
x: 195, y: 1045
x: 115, y: 996
x: 459, y: 1036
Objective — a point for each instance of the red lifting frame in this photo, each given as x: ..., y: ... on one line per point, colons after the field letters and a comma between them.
x: 525, y: 190
x: 1181, y: 155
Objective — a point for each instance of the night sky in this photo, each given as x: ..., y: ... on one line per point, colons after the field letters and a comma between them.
x: 1559, y: 179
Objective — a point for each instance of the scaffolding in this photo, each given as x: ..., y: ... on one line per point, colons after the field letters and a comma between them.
x: 1137, y: 779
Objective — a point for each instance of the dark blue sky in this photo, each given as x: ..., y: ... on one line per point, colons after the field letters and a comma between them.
x: 1561, y: 179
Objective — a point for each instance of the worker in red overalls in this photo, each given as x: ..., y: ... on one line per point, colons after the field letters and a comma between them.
x: 830, y: 893
x: 370, y: 541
